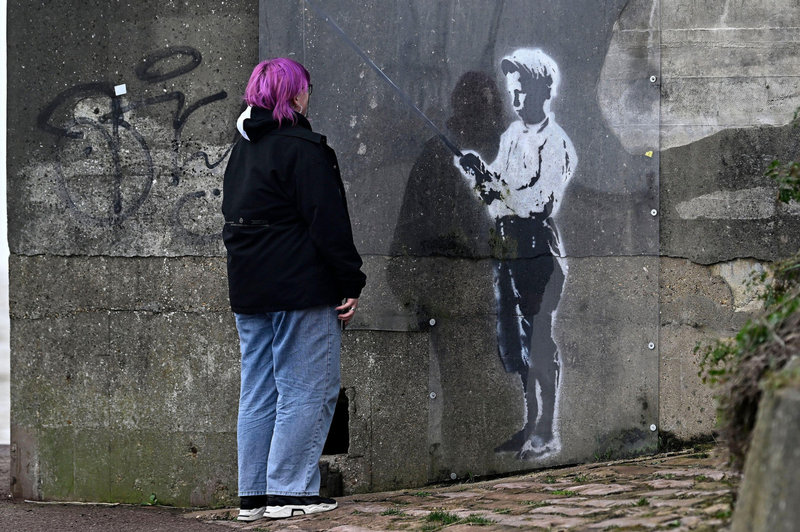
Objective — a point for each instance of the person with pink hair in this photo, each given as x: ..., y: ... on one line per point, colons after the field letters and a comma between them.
x: 291, y: 263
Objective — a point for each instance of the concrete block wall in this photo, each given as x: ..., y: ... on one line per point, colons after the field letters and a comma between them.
x: 125, y: 359
x: 124, y: 351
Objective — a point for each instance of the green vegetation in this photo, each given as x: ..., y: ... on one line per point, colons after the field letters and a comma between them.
x: 604, y: 457
x: 787, y: 175
x: 442, y: 517
x: 642, y: 502
x: 739, y: 366
x: 535, y: 504
x: 422, y: 494
x: 581, y: 478
x: 393, y: 511
x: 502, y: 511
x: 477, y: 519
x: 700, y: 478
x: 549, y: 479
x: 565, y: 493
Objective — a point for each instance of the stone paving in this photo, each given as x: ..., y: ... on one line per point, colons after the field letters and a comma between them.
x: 690, y: 490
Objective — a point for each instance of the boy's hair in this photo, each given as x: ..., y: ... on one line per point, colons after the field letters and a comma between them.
x: 274, y: 83
x: 535, y: 63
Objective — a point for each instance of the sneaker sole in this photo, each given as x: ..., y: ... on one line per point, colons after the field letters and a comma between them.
x: 292, y: 510
x: 251, y: 515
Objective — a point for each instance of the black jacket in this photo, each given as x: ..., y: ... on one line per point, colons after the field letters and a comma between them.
x: 287, y: 229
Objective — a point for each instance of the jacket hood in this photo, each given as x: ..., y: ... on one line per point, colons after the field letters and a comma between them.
x: 255, y: 122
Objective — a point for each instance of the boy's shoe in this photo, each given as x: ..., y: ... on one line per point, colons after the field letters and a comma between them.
x: 281, y: 506
x: 252, y: 508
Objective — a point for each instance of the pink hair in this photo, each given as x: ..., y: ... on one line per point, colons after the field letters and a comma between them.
x: 274, y: 83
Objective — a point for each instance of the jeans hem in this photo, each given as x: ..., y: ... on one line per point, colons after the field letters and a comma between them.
x: 295, y: 493
x: 252, y: 493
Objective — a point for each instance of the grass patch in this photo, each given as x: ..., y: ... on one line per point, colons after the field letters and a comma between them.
x: 581, y: 478
x: 502, y: 511
x: 439, y: 518
x: 421, y: 494
x: 549, y: 479
x: 535, y: 504
x: 604, y: 457
x: 723, y: 514
x: 476, y: 519
x: 700, y: 478
x: 642, y: 502
x: 444, y: 518
x: 565, y: 493
x: 393, y: 511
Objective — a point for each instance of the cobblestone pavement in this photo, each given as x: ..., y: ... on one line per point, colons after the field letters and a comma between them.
x: 691, y: 490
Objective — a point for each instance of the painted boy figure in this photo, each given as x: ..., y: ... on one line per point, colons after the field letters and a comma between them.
x: 523, y: 190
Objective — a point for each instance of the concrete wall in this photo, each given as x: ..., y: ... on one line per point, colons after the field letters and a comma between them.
x: 5, y: 352
x: 125, y: 360
x: 124, y: 351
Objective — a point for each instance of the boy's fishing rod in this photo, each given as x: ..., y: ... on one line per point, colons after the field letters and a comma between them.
x: 447, y: 142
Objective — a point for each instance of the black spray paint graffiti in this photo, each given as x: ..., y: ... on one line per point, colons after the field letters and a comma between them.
x: 118, y: 144
x: 522, y: 191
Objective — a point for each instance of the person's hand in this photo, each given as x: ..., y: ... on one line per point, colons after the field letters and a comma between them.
x: 348, y: 309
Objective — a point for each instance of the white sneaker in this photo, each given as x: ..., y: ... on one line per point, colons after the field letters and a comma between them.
x: 251, y: 515
x: 281, y: 506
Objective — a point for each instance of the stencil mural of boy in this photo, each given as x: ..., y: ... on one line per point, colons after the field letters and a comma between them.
x: 522, y: 190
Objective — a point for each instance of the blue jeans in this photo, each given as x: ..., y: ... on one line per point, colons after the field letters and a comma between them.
x: 290, y: 385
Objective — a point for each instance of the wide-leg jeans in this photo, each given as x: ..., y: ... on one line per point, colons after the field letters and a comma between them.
x: 290, y: 385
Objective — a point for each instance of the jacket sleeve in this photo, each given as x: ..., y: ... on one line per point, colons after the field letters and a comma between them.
x: 321, y: 202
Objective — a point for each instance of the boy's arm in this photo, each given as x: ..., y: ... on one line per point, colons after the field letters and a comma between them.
x: 485, y: 181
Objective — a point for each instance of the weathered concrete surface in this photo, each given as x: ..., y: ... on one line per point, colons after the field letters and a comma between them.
x: 724, y: 65
x: 770, y: 486
x: 716, y: 203
x: 111, y: 401
x: 125, y: 371
x: 697, y: 306
x: 385, y: 377
x: 76, y: 188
